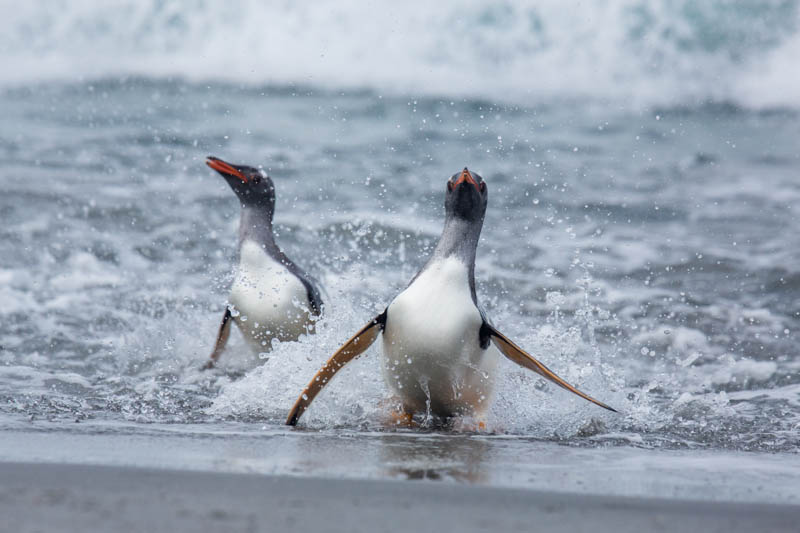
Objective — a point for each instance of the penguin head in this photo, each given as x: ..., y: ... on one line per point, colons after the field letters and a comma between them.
x: 466, y: 196
x: 251, y: 185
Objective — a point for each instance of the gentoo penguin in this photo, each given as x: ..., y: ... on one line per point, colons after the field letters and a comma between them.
x: 271, y: 297
x: 439, y: 350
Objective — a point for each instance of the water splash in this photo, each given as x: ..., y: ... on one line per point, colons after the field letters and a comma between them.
x: 675, y: 286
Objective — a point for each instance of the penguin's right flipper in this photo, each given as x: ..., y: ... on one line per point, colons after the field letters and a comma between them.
x: 222, y: 340
x: 354, y: 347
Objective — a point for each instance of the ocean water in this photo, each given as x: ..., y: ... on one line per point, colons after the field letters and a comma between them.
x: 641, y: 237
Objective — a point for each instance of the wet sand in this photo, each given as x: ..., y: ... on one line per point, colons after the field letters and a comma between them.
x: 66, y: 498
x: 479, y: 460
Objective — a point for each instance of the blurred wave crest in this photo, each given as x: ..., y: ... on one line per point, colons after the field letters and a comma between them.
x: 633, y: 51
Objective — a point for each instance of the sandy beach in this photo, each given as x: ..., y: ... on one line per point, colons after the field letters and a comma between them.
x: 93, y: 477
x: 67, y: 498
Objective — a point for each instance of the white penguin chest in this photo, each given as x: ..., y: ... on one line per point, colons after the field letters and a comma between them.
x: 269, y: 300
x: 431, y: 344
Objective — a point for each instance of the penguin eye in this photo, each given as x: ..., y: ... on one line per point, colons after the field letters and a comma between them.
x: 257, y: 180
x: 483, y: 186
x: 449, y: 185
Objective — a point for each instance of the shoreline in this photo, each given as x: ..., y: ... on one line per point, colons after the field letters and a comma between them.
x: 69, y: 497
x: 476, y: 460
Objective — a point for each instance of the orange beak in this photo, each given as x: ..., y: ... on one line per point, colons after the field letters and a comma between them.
x: 221, y: 166
x: 466, y: 176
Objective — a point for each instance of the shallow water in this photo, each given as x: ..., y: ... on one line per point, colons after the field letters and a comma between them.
x: 647, y: 257
x: 642, y: 246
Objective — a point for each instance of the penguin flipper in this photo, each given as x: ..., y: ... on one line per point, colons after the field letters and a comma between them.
x: 351, y: 349
x: 222, y: 340
x: 314, y: 298
x: 524, y: 359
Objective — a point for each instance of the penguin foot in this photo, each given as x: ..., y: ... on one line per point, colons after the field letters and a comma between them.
x: 398, y: 415
x: 209, y: 365
x: 401, y: 419
x: 470, y: 425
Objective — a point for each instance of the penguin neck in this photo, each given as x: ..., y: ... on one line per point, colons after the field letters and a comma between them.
x: 460, y: 240
x: 255, y: 224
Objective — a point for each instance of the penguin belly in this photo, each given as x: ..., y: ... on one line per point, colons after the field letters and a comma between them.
x: 432, y: 359
x: 268, y: 301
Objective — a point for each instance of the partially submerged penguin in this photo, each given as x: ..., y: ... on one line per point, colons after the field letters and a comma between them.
x: 271, y: 297
x: 440, y: 351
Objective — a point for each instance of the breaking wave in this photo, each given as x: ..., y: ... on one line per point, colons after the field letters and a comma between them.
x: 630, y: 52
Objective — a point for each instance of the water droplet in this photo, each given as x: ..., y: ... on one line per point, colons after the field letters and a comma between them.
x: 555, y: 299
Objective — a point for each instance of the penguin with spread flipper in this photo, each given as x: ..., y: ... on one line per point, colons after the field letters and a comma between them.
x: 440, y: 352
x: 271, y: 297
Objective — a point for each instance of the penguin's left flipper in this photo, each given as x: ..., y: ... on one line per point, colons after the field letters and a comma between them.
x: 222, y: 340
x: 526, y: 360
x: 351, y: 349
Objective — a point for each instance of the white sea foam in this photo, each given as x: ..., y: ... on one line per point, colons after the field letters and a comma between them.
x: 745, y: 369
x: 628, y: 51
x: 683, y: 340
x: 524, y: 402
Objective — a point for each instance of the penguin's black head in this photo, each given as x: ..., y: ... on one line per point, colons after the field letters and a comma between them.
x: 466, y: 196
x: 251, y: 185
